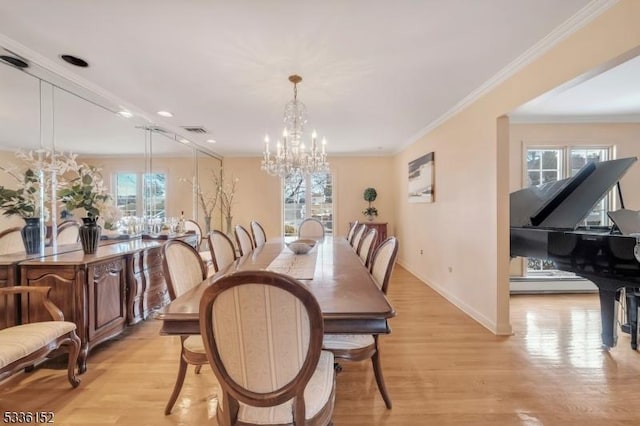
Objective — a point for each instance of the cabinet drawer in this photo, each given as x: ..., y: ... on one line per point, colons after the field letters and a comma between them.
x: 152, y: 258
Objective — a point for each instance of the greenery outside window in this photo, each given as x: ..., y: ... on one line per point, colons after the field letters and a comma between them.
x: 135, y: 200
x: 308, y: 196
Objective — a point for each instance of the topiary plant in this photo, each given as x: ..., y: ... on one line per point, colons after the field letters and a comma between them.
x: 370, y: 195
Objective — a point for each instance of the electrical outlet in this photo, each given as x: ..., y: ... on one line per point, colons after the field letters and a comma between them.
x: 450, y: 269
x: 420, y: 251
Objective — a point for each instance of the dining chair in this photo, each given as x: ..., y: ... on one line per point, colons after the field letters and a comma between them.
x: 311, y: 228
x: 257, y: 231
x: 183, y: 268
x: 192, y: 225
x: 367, y: 243
x: 243, y: 238
x: 357, y: 236
x: 352, y: 229
x: 11, y: 241
x: 262, y: 333
x: 222, y: 251
x: 68, y: 232
x: 359, y: 347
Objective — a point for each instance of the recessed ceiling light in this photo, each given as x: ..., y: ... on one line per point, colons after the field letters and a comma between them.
x: 125, y: 114
x: 74, y: 60
x: 185, y: 141
x: 211, y: 140
x: 165, y: 114
x: 16, y: 62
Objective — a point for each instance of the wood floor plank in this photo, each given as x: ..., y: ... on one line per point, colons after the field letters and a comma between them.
x: 441, y: 368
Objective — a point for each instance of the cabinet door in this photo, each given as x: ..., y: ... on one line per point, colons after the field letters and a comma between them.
x: 107, y: 299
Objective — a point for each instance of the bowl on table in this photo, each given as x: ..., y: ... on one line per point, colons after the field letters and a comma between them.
x: 301, y: 246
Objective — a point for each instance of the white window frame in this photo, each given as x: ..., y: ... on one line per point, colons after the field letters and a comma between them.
x: 140, y: 196
x: 566, y: 149
x: 308, y: 200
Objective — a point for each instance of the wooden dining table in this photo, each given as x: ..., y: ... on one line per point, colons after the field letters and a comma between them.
x: 350, y: 300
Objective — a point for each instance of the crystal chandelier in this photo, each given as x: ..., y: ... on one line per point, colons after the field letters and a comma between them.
x: 292, y: 156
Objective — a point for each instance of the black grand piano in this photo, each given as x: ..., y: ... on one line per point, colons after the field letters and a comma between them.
x: 544, y: 224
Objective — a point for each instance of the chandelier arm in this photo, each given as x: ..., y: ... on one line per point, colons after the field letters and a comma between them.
x: 291, y: 156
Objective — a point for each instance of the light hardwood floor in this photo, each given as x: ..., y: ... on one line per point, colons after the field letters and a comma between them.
x: 441, y: 368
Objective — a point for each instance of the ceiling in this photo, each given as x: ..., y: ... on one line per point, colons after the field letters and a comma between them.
x: 612, y: 96
x: 375, y: 73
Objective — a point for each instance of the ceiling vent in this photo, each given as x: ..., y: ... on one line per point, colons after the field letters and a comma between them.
x: 195, y: 129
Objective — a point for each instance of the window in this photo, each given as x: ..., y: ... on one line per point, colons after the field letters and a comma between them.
x: 126, y: 193
x: 134, y: 201
x: 307, y: 197
x: 548, y: 164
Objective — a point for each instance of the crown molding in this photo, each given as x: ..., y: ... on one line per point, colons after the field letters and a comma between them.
x: 585, y: 15
x: 575, y: 119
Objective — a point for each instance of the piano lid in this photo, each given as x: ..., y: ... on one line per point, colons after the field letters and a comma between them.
x: 565, y: 203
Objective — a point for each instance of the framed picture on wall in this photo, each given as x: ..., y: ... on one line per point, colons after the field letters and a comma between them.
x: 421, y: 179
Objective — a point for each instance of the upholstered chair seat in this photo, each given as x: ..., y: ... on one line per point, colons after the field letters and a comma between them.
x: 21, y: 340
x: 347, y: 341
x: 262, y: 333
x: 356, y: 347
x: 318, y: 395
x: 194, y: 344
x: 184, y: 269
x: 24, y: 345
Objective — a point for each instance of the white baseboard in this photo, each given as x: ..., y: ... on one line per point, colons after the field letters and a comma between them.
x: 551, y: 285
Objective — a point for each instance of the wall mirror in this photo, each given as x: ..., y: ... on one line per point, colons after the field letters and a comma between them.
x: 147, y: 170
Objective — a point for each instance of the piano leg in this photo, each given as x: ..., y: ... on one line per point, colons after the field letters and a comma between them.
x: 608, y: 315
x: 632, y: 315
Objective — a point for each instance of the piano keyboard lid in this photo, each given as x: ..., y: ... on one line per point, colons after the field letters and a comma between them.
x: 565, y: 203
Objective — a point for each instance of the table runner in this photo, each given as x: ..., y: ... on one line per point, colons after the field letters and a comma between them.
x: 299, y: 266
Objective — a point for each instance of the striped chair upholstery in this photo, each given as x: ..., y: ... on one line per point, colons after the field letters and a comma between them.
x: 357, y: 236
x: 263, y: 336
x: 365, y: 249
x: 259, y: 236
x: 183, y: 269
x: 27, y: 344
x: 243, y: 238
x: 358, y: 347
x: 222, y: 251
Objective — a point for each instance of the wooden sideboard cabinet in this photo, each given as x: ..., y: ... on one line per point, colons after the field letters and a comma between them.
x: 147, y: 285
x: 91, y: 293
x: 381, y: 228
x: 121, y: 284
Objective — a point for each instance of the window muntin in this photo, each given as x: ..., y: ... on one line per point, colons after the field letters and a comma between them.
x: 548, y: 164
x: 308, y: 196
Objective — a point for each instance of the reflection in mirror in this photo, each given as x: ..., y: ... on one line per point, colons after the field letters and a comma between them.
x: 146, y: 170
x: 113, y: 145
x: 169, y: 186
x: 19, y: 132
x: 208, y: 202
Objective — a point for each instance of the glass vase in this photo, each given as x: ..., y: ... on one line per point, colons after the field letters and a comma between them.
x: 230, y: 226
